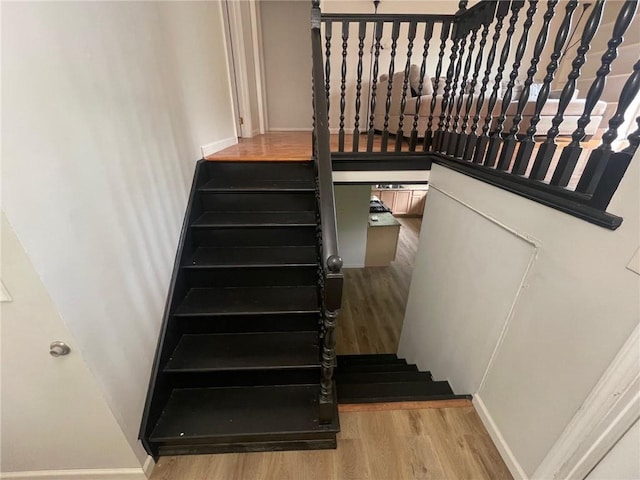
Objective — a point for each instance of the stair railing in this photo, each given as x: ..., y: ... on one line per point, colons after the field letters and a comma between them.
x: 485, y: 91
x: 331, y: 277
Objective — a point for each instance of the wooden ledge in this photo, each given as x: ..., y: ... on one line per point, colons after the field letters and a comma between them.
x: 382, y: 407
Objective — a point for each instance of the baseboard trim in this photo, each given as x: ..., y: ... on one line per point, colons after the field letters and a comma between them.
x: 303, y: 129
x: 81, y: 474
x: 505, y: 452
x: 148, y: 466
x: 213, y: 147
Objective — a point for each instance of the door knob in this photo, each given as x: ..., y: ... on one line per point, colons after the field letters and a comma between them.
x: 57, y: 349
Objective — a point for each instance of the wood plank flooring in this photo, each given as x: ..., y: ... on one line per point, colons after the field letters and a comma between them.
x: 424, y: 444
x: 374, y: 299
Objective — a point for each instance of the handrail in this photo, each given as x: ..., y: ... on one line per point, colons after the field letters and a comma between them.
x: 331, y: 261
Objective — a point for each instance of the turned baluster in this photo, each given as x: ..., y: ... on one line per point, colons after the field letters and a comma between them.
x: 569, y: 156
x: 405, y: 84
x: 429, y: 135
x: 446, y: 134
x: 501, y: 13
x: 496, y: 138
x: 437, y: 138
x: 614, y: 170
x: 453, y: 136
x: 483, y: 140
x: 395, y: 33
x: 428, y: 33
x: 374, y: 84
x: 327, y: 64
x: 508, y: 149
x: 343, y: 83
x: 362, y: 32
x: 574, y: 149
x: 599, y: 158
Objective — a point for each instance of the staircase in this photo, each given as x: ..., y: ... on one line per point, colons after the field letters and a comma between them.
x: 386, y: 378
x: 238, y: 364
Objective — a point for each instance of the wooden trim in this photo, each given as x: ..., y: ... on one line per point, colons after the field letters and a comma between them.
x: 258, y: 58
x: 607, y: 413
x: 384, y: 407
x: 80, y: 474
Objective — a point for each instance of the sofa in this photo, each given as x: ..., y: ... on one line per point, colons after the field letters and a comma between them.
x: 601, y: 111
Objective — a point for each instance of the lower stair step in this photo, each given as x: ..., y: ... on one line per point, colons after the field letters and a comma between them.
x: 382, y: 377
x: 249, y: 300
x: 394, y: 392
x: 251, y: 219
x: 348, y: 361
x: 243, y: 416
x: 234, y: 257
x: 246, y: 351
x: 393, y: 367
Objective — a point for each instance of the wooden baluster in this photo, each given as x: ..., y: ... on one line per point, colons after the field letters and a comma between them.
x: 614, y: 170
x: 496, y: 139
x: 327, y: 64
x: 462, y: 6
x: 374, y: 84
x: 453, y: 136
x: 483, y: 140
x: 527, y: 145
x: 428, y: 33
x: 446, y: 135
x: 510, y: 142
x: 569, y: 156
x: 438, y: 136
x: 463, y: 137
x: 574, y: 150
x: 343, y: 83
x: 405, y: 84
x: 362, y: 32
x: 429, y: 137
x: 599, y: 158
x: 395, y: 33
x: 501, y: 13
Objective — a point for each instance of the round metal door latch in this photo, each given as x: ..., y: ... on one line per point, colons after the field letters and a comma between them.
x: 57, y: 349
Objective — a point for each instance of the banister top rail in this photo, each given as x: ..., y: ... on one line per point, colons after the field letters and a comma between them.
x: 331, y: 261
x: 388, y: 17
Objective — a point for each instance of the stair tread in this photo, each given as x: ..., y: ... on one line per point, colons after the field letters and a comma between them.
x: 239, y: 411
x: 393, y: 367
x: 204, y: 257
x: 258, y: 185
x: 249, y: 300
x: 392, y: 391
x: 369, y: 359
x: 251, y: 219
x: 381, y: 377
x: 215, y: 352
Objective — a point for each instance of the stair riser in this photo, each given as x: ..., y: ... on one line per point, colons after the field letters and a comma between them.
x: 234, y: 171
x: 248, y: 323
x: 254, y: 236
x: 258, y: 202
x: 243, y: 378
x: 248, y: 447
x: 391, y: 377
x: 250, y: 277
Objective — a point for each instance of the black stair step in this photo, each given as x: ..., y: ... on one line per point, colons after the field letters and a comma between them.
x: 382, y: 377
x: 249, y: 300
x: 393, y: 367
x: 394, y: 392
x: 239, y: 257
x: 257, y: 351
x: 286, y: 322
x: 253, y: 219
x: 246, y: 173
x: 369, y: 359
x: 257, y: 185
x: 255, y: 202
x: 225, y: 414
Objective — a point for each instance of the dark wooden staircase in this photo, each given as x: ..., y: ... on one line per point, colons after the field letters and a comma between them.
x: 238, y: 364
x: 386, y: 378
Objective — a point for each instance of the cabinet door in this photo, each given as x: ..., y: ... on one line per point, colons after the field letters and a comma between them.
x: 403, y: 202
x: 388, y: 197
x: 418, y: 198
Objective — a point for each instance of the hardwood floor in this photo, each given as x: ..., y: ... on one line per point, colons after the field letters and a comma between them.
x: 374, y: 299
x: 425, y: 444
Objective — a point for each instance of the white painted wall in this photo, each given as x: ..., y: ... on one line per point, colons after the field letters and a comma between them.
x: 352, y: 216
x: 53, y: 414
x: 521, y: 305
x: 105, y: 107
x: 623, y: 461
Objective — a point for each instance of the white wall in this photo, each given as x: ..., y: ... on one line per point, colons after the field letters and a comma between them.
x: 352, y: 216
x: 521, y: 305
x: 622, y: 462
x: 286, y: 47
x: 53, y: 414
x: 105, y: 107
